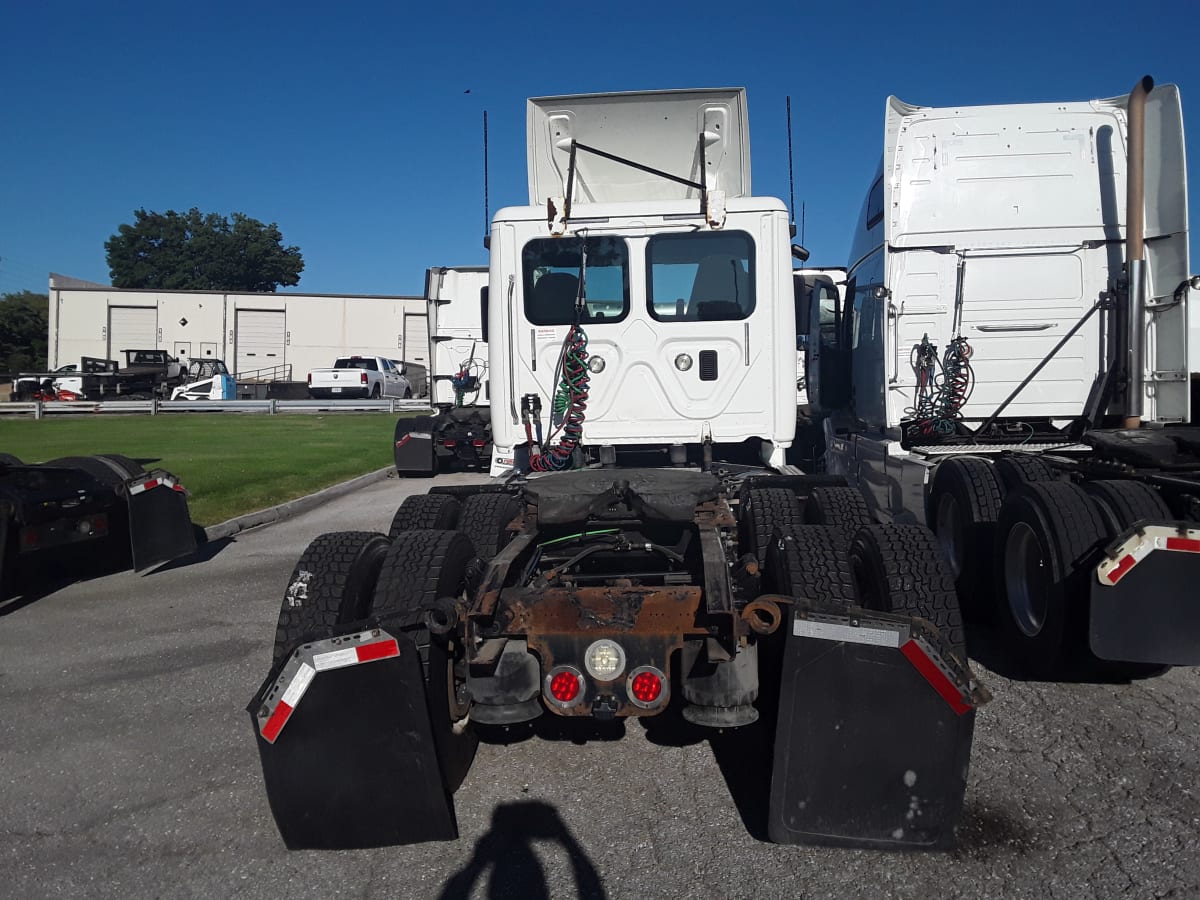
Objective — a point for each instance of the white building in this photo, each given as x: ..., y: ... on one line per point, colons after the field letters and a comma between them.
x: 248, y: 331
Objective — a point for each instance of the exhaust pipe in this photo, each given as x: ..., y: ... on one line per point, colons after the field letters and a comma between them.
x: 1135, y: 250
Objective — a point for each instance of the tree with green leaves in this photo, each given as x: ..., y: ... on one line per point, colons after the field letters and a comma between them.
x: 24, y: 329
x: 197, y: 251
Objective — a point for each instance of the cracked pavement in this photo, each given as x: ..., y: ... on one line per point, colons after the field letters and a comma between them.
x: 128, y: 768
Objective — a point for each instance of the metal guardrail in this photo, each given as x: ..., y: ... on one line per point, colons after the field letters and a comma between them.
x: 41, y: 409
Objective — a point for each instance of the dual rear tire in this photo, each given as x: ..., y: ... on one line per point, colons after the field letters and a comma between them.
x: 345, y: 577
x: 1023, y: 546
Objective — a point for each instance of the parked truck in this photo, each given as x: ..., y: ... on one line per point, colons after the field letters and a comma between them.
x: 86, y: 512
x: 648, y: 548
x: 460, y: 430
x: 1008, y: 364
x: 358, y: 377
x: 144, y: 375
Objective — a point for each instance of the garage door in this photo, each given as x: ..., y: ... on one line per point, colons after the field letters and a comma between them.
x: 261, y: 338
x: 415, y: 340
x: 131, y: 328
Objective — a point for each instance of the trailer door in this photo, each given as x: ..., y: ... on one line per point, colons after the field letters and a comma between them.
x: 131, y: 328
x: 260, y: 339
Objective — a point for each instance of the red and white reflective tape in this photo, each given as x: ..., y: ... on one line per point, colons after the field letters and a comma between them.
x: 1153, y: 537
x: 417, y: 435
x: 312, y: 662
x: 160, y: 481
x: 924, y: 662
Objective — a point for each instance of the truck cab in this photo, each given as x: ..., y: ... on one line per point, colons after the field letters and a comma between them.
x: 651, y: 243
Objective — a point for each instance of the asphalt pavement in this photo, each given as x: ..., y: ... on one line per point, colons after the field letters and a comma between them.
x: 128, y: 768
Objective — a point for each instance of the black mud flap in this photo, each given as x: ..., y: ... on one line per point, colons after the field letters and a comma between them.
x: 160, y: 526
x: 1145, y: 607
x: 347, y: 748
x: 414, y: 446
x: 874, y: 733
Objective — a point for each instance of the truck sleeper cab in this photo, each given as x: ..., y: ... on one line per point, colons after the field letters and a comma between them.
x: 978, y: 374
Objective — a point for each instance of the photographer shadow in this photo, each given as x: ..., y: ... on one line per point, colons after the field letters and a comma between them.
x: 507, y: 851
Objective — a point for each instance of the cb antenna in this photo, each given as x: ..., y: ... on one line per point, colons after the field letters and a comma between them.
x: 487, y: 213
x: 791, y: 181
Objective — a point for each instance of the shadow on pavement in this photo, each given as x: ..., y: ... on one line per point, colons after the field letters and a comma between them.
x: 506, y: 851
x: 205, y: 550
x: 985, y: 645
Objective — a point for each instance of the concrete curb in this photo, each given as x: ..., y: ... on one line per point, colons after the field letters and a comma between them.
x: 293, y: 507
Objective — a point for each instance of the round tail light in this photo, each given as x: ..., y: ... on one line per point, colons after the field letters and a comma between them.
x: 647, y: 687
x: 564, y: 686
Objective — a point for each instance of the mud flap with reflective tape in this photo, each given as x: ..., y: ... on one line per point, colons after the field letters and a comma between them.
x: 160, y: 526
x: 414, y: 451
x: 347, y: 748
x: 874, y: 733
x: 1144, y: 604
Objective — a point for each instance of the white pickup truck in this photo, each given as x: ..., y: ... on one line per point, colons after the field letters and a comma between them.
x: 359, y: 376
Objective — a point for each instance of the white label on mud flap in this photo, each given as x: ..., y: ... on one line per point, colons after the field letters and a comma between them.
x: 335, y: 659
x: 829, y: 631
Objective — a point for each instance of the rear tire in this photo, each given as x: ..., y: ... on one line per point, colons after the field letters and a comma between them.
x: 376, y: 392
x: 1122, y: 503
x: 964, y: 503
x: 419, y: 512
x: 332, y: 584
x: 813, y: 562
x: 132, y: 468
x: 484, y: 519
x: 844, y: 506
x: 103, y: 470
x: 900, y: 569
x: 421, y: 567
x: 1047, y: 541
x: 765, y: 513
x: 1016, y: 469
x: 9, y: 460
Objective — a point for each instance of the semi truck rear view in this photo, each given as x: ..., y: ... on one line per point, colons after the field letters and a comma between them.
x: 647, y: 547
x: 1009, y: 364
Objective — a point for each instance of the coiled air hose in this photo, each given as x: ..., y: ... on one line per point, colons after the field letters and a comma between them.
x: 569, y: 406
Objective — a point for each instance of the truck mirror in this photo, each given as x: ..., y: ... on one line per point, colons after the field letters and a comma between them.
x: 799, y: 253
x: 483, y: 312
x: 803, y: 293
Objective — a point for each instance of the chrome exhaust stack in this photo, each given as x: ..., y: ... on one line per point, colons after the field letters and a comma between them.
x: 1135, y: 251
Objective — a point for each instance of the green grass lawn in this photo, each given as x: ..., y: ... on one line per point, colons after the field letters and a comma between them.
x: 230, y: 463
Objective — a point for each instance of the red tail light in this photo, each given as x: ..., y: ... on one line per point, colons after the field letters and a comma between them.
x: 362, y: 377
x: 310, y: 379
x: 564, y: 686
x: 450, y: 443
x: 647, y: 687
x: 478, y: 443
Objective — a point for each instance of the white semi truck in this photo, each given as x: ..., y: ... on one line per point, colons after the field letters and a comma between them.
x: 647, y: 548
x: 1009, y: 364
x: 460, y: 429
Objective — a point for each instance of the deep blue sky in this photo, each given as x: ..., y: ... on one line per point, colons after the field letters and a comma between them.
x: 348, y: 125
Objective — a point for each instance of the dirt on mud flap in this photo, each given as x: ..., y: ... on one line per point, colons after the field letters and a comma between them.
x: 873, y: 740
x: 160, y: 527
x: 346, y: 745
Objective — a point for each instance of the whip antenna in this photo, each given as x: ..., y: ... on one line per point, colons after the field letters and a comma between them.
x: 487, y: 214
x: 791, y: 182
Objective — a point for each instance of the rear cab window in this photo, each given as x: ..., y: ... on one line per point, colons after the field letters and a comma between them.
x: 705, y: 276
x: 550, y: 269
